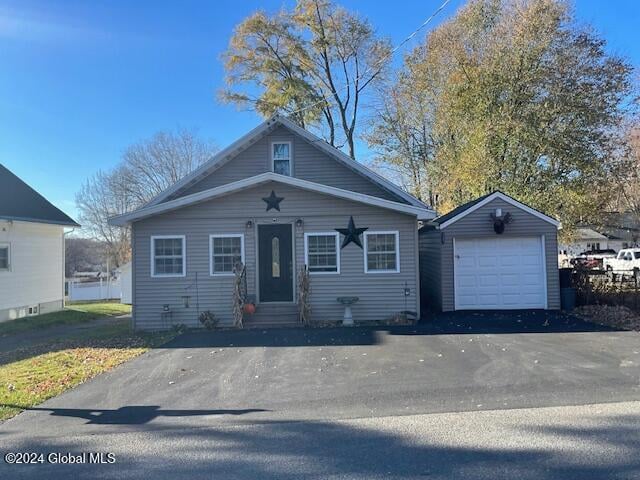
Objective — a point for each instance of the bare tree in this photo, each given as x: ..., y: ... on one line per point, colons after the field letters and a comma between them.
x: 147, y: 168
x: 84, y: 255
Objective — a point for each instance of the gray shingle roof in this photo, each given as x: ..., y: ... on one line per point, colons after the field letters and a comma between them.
x: 18, y: 201
x: 458, y: 210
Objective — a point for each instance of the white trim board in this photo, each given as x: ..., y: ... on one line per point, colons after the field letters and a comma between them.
x: 396, y: 233
x: 421, y: 213
x: 506, y: 198
x: 264, y: 128
x: 334, y: 234
x: 224, y: 235
x: 290, y: 159
x: 7, y: 245
x: 153, y: 256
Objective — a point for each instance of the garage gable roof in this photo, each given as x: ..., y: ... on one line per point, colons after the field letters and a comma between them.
x: 462, y: 211
x: 422, y: 213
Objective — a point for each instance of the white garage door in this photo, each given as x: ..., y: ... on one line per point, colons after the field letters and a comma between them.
x: 499, y: 273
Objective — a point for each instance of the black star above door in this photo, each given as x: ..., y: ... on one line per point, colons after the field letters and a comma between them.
x: 275, y: 263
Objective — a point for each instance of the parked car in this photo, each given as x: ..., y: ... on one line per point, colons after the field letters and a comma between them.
x: 625, y: 263
x: 593, y: 259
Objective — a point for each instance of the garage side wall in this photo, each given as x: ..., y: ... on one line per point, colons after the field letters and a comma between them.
x: 478, y: 224
x: 430, y: 269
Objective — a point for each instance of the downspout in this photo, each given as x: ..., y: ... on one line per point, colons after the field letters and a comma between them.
x: 64, y: 261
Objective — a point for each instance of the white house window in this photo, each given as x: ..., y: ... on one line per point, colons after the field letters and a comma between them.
x: 168, y: 256
x: 281, y: 157
x: 322, y: 253
x: 226, y: 252
x: 381, y: 252
x: 5, y: 254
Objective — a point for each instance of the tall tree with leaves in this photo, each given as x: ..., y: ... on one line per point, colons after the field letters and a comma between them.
x: 314, y: 63
x: 522, y: 99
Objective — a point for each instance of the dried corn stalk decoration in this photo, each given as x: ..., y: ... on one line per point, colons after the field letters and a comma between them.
x: 304, y: 293
x: 239, y: 293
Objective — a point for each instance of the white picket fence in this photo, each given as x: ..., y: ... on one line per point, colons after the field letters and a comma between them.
x: 101, y: 290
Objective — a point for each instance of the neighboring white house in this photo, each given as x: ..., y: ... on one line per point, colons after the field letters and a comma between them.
x: 31, y: 250
x: 588, y: 239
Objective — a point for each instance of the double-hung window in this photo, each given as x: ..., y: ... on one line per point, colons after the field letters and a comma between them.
x: 225, y: 252
x: 5, y: 257
x: 322, y: 252
x: 381, y: 252
x: 168, y: 256
x: 281, y: 157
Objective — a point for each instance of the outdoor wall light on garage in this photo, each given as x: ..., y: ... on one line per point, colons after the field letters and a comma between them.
x: 249, y: 225
x: 499, y: 220
x: 299, y: 223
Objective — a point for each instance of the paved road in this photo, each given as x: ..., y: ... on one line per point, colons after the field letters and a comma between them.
x: 561, y: 443
x: 414, y: 401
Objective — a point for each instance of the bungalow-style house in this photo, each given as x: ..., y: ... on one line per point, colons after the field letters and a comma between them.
x: 276, y: 200
x: 280, y: 199
x: 31, y: 250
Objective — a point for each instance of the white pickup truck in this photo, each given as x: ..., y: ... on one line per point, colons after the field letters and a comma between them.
x: 624, y: 263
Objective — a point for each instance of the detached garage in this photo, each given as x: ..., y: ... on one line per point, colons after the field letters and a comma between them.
x: 493, y: 253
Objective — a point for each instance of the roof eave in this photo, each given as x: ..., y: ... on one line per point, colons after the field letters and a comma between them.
x: 63, y: 223
x: 152, y: 210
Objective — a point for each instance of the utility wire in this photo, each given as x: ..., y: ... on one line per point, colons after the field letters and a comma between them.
x: 383, y: 59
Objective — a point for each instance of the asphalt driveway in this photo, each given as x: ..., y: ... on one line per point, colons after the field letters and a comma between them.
x: 317, y: 377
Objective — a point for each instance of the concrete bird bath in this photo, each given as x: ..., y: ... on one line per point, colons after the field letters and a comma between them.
x: 347, y: 319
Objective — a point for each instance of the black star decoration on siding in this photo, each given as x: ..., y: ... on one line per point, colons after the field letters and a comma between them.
x: 272, y: 201
x: 351, y: 234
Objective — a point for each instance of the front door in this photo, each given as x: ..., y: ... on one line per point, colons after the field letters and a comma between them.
x: 275, y: 258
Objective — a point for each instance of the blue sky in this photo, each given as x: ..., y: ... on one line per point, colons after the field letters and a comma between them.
x: 82, y: 80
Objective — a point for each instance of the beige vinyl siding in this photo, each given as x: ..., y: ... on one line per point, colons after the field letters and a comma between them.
x: 381, y: 295
x: 309, y: 163
x: 478, y: 224
x: 430, y: 269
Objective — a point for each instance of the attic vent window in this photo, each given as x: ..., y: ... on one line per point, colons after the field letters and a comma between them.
x: 281, y: 157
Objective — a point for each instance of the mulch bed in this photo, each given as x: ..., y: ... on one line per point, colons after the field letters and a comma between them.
x: 611, y: 316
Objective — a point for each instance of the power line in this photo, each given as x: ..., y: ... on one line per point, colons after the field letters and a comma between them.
x: 383, y: 59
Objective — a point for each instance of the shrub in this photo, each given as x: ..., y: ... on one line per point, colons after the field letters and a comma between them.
x: 208, y: 320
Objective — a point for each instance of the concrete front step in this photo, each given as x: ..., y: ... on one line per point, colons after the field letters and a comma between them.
x: 269, y: 315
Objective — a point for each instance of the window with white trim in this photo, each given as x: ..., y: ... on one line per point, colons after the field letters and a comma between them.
x: 322, y: 252
x: 281, y: 157
x: 168, y: 256
x: 381, y: 252
x: 5, y: 256
x: 226, y: 251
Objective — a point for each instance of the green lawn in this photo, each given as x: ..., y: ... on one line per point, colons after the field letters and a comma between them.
x: 31, y: 376
x: 73, y: 313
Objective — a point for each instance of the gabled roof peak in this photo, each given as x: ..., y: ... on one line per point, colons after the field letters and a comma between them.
x: 263, y: 129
